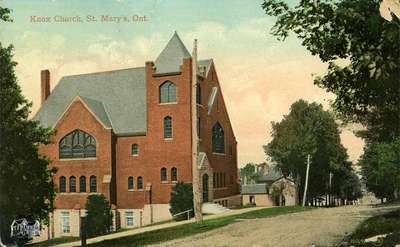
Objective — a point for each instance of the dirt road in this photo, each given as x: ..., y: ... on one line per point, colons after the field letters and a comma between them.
x: 323, y: 227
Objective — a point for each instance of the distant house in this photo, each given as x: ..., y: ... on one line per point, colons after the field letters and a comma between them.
x: 271, y: 188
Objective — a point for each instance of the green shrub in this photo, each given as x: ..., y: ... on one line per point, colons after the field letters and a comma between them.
x: 181, y: 200
x: 99, y: 215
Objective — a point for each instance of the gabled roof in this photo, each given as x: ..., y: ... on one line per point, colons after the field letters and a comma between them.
x: 254, y: 189
x: 171, y: 58
x: 118, y: 98
x: 97, y: 107
x: 269, y: 174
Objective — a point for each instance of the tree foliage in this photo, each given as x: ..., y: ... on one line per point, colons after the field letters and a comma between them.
x: 380, y: 165
x: 362, y: 49
x: 26, y: 187
x: 181, y: 200
x: 248, y: 173
x: 99, y: 215
x: 308, y: 129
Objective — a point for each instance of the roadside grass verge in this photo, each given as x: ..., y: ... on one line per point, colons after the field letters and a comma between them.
x: 189, y: 229
x: 55, y: 241
x: 377, y: 225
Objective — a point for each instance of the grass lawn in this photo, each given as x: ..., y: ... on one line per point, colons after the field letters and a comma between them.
x: 55, y: 241
x: 382, y: 224
x: 189, y: 229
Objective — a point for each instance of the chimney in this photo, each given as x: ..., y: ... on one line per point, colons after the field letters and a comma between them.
x: 44, y: 85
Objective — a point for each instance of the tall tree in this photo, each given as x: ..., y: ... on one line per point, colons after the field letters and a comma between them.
x: 380, y: 165
x: 367, y: 80
x: 308, y: 129
x: 26, y: 186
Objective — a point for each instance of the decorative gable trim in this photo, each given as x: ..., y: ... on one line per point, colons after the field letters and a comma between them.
x: 78, y: 98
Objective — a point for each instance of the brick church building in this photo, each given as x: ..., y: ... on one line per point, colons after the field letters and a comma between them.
x: 127, y: 134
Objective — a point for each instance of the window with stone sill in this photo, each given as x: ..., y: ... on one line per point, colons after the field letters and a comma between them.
x: 72, y: 184
x: 167, y: 92
x: 140, y: 183
x: 130, y: 183
x: 135, y: 149
x: 164, y: 175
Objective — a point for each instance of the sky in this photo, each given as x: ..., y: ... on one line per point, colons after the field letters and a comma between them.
x: 260, y: 76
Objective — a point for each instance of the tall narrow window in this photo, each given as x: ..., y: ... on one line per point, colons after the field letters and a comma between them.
x: 130, y: 183
x: 198, y: 93
x: 93, y: 184
x: 214, y: 180
x: 72, y: 184
x: 77, y: 144
x: 82, y: 184
x: 198, y: 127
x: 168, y: 128
x: 129, y: 219
x: 63, y: 184
x: 164, y: 174
x: 174, y: 174
x: 135, y: 149
x: 65, y: 222
x: 140, y: 183
x: 218, y: 139
x: 167, y: 92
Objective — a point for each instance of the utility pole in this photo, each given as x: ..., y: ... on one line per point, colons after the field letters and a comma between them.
x: 195, y: 143
x: 306, y: 184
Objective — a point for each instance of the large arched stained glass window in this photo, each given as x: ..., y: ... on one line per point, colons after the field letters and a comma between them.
x: 77, y: 144
x: 167, y: 92
x: 218, y: 139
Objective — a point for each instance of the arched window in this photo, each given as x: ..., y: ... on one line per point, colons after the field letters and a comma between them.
x: 77, y: 144
x: 93, y: 184
x: 140, y: 183
x: 174, y: 174
x: 218, y: 139
x: 198, y: 94
x: 167, y: 92
x: 168, y: 128
x: 135, y: 149
x: 131, y: 185
x: 164, y: 174
x: 82, y: 184
x: 72, y: 184
x: 63, y: 184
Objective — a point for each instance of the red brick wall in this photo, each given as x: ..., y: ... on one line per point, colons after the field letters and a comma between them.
x: 221, y: 163
x: 78, y: 117
x: 155, y: 152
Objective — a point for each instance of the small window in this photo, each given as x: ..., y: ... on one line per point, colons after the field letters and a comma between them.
x: 140, y: 183
x: 135, y: 149
x: 63, y: 184
x: 93, y: 184
x: 167, y: 92
x: 65, y: 222
x: 198, y: 94
x: 131, y: 184
x: 174, y: 174
x: 82, y: 184
x: 129, y: 219
x: 168, y: 128
x: 72, y: 184
x: 164, y: 175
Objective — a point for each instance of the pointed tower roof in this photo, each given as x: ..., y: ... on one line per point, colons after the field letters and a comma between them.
x: 171, y: 58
